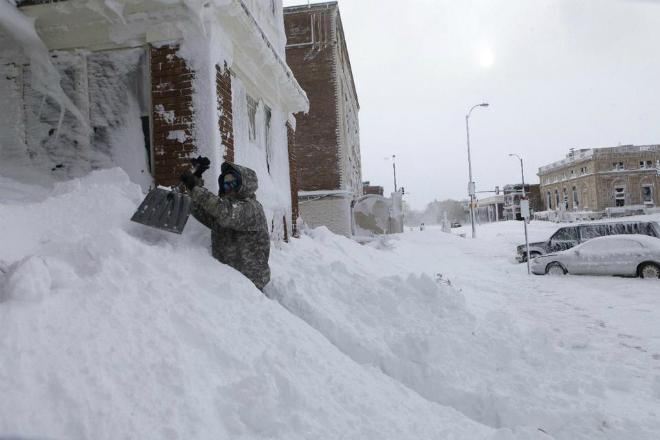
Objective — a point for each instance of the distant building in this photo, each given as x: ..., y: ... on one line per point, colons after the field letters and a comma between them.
x: 599, y: 179
x: 512, y: 196
x: 328, y: 137
x: 367, y: 188
x: 490, y: 209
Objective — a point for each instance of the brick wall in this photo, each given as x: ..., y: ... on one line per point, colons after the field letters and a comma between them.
x: 172, y: 110
x: 293, y: 176
x: 314, y: 66
x: 223, y: 80
x: 372, y: 189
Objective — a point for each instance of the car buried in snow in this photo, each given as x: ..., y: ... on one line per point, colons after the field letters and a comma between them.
x: 632, y: 255
x: 570, y: 236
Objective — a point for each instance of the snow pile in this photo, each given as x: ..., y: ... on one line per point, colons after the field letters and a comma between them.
x: 374, y: 305
x: 111, y: 330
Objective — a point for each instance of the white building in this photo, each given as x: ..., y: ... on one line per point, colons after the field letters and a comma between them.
x: 145, y: 85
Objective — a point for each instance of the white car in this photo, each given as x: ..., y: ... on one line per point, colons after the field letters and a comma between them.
x: 624, y: 255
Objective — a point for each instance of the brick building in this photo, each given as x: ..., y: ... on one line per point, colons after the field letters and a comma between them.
x: 367, y: 188
x: 513, y: 195
x: 328, y: 137
x: 599, y: 179
x: 148, y: 85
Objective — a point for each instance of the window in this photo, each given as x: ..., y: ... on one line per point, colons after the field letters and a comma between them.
x: 548, y: 200
x: 647, y: 194
x: 252, y: 116
x: 267, y: 121
x: 565, y: 199
x: 619, y: 196
x: 618, y: 166
x: 645, y: 164
x: 566, y: 234
x: 576, y: 201
x: 556, y: 199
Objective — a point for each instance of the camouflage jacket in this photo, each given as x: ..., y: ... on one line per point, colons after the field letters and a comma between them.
x: 238, y: 224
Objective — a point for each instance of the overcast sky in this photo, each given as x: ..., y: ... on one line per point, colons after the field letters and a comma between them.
x: 557, y: 74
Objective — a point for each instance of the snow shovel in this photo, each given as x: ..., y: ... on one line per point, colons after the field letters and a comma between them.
x: 169, y: 209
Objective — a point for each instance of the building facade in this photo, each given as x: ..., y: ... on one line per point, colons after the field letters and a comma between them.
x: 368, y: 188
x: 147, y: 85
x: 328, y: 136
x: 490, y: 209
x: 600, y: 179
x: 512, y: 196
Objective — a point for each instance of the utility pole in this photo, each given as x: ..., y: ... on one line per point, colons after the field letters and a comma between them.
x: 471, y: 185
x: 394, y: 170
x: 524, y: 209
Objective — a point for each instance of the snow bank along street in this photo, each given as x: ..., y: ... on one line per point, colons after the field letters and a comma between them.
x: 109, y: 329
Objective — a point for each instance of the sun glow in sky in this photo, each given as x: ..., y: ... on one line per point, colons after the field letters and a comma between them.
x: 486, y: 56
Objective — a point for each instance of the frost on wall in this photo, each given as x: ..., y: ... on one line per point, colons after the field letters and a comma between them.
x: 119, y: 111
x: 59, y: 141
x: 269, y: 16
x: 266, y: 152
x: 14, y: 156
x: 109, y: 90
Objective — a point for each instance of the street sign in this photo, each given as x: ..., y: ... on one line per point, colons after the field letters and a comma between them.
x: 524, y: 208
x: 471, y: 188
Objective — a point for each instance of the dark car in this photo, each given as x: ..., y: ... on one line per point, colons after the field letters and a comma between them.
x: 569, y: 236
x: 455, y: 225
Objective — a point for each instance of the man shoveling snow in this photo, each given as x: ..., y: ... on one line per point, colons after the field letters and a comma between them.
x: 239, y: 228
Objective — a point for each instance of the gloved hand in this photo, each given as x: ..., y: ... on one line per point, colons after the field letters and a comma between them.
x: 189, y: 180
x: 201, y: 164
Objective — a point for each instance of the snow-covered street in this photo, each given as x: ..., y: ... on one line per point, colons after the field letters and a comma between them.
x: 109, y: 329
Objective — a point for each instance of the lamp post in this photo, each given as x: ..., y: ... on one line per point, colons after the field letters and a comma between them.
x: 394, y: 170
x: 471, y: 186
x: 522, y: 175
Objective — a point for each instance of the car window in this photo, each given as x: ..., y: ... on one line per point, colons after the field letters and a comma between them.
x: 592, y: 231
x: 565, y: 234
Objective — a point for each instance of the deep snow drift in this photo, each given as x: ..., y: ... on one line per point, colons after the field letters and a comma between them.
x: 111, y: 330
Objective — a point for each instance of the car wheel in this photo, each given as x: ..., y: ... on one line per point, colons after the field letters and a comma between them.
x: 649, y: 270
x: 555, y: 269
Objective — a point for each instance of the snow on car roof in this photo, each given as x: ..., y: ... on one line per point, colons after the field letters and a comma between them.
x: 646, y: 240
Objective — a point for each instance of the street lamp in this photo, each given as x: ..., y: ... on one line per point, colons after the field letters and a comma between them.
x: 523, y: 211
x: 471, y: 186
x: 394, y: 170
